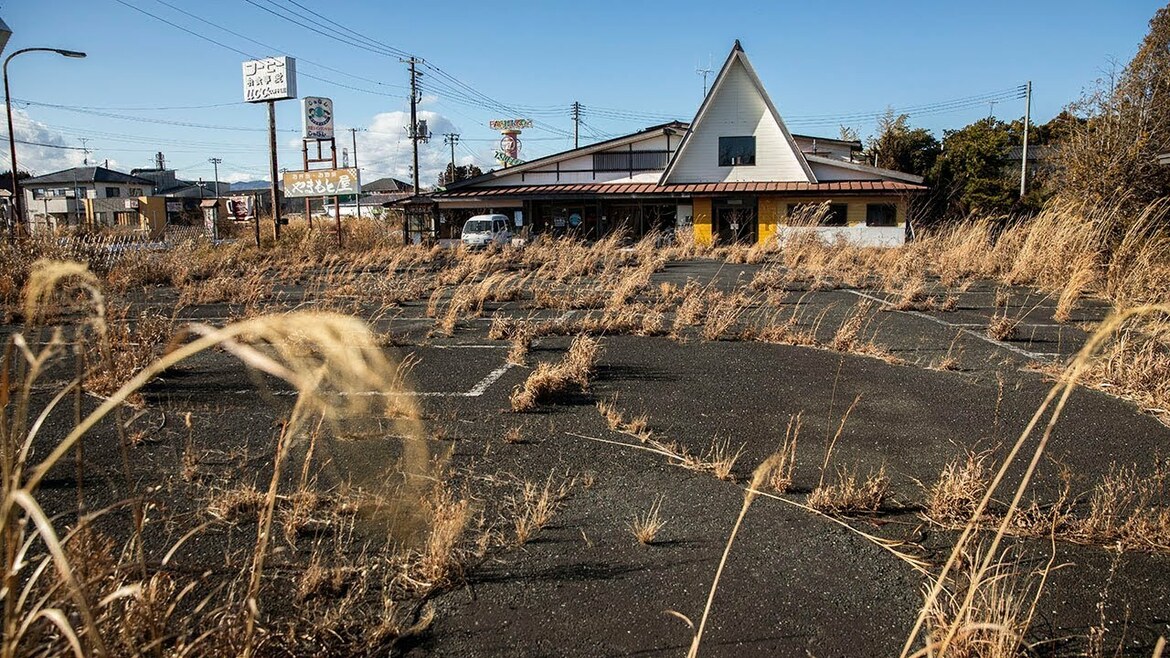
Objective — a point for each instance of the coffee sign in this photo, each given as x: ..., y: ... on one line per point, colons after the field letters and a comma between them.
x: 318, y: 113
x: 271, y: 79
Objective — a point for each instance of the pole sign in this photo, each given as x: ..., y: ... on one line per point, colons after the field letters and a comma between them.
x: 271, y: 79
x: 318, y: 113
x: 510, y: 124
x: 321, y: 182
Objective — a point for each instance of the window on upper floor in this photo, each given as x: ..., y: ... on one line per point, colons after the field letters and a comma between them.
x: 737, y: 151
x: 630, y: 160
x: 136, y: 191
x: 113, y: 192
x: 881, y: 214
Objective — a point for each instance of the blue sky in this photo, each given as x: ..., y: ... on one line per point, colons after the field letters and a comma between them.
x: 631, y: 64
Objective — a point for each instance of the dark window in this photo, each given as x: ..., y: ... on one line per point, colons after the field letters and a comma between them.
x: 881, y: 214
x: 113, y: 192
x: 136, y: 191
x: 38, y: 193
x: 836, y: 215
x: 737, y: 151
x: 631, y: 161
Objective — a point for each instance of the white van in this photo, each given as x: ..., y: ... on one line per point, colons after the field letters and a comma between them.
x: 482, y: 230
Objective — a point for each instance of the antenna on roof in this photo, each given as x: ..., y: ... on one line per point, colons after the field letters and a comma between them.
x: 705, y: 72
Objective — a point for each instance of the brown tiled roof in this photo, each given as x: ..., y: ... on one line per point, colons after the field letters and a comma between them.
x: 625, y: 189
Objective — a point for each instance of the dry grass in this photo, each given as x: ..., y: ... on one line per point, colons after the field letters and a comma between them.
x: 852, y: 493
x: 1002, y: 327
x: 552, y: 381
x: 521, y: 342
x: 780, y: 478
x: 719, y: 459
x: 513, y: 436
x: 648, y: 524
x: 984, y: 613
x: 954, y: 498
x: 77, y: 605
x: 535, y: 505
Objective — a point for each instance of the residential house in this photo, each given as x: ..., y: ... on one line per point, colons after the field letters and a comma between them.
x: 733, y: 174
x: 76, y: 196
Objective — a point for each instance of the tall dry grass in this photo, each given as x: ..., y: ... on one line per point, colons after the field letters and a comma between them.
x: 129, y: 608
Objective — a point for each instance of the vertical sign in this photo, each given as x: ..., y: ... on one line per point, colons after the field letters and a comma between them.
x: 271, y: 79
x: 267, y: 81
x: 318, y: 113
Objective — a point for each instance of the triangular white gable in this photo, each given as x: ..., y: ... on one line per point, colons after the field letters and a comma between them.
x: 738, y: 106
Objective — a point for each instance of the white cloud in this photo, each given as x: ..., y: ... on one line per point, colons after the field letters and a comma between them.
x: 240, y: 177
x: 35, y: 158
x: 384, y: 148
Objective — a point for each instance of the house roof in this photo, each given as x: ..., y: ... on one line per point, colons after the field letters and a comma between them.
x: 832, y: 140
x: 86, y: 175
x: 864, y: 168
x: 736, y: 55
x: 625, y: 189
x: 388, y: 184
x: 572, y: 153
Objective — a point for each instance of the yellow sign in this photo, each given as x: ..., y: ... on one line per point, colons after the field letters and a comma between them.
x: 323, y: 182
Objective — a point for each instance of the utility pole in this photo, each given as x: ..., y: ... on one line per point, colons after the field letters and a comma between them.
x: 275, y: 191
x: 1024, y: 157
x: 215, y: 164
x: 576, y: 107
x: 84, y: 150
x: 353, y: 133
x: 414, y: 137
x: 451, y: 139
x: 160, y: 161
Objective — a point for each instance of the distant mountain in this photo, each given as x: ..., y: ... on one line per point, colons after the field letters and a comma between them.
x: 249, y: 185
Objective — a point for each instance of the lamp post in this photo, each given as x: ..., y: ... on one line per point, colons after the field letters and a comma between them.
x: 17, y: 201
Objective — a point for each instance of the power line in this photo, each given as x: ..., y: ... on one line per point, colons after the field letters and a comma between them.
x: 241, y: 52
x: 272, y: 48
x: 51, y: 146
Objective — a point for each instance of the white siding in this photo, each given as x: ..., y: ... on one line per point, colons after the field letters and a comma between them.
x: 579, y: 169
x: 737, y: 109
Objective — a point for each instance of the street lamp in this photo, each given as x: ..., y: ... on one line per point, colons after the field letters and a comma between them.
x: 17, y: 214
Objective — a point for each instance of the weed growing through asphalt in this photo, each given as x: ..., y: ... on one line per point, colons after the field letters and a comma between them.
x: 534, y: 506
x: 551, y: 381
x: 646, y: 525
x: 852, y: 493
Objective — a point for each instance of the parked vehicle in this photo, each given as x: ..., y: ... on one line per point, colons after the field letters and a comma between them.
x: 482, y: 230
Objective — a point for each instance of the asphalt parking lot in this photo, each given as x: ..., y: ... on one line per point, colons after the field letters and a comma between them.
x: 797, y: 584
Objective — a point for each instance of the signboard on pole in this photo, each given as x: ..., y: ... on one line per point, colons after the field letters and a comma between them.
x: 271, y: 79
x: 322, y: 182
x: 510, y: 124
x: 318, y: 113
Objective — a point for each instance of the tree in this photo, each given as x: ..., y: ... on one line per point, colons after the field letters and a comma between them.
x: 971, y: 175
x: 1124, y: 124
x: 902, y: 148
x: 454, y: 174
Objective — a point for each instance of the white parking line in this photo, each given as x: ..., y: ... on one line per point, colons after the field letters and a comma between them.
x: 1036, y: 356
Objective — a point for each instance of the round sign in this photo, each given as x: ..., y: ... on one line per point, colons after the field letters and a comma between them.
x: 318, y: 117
x: 575, y: 220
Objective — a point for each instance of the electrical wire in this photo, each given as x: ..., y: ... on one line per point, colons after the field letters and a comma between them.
x: 274, y: 48
x: 245, y: 54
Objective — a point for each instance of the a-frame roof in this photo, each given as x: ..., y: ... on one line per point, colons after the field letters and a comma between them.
x: 736, y: 58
